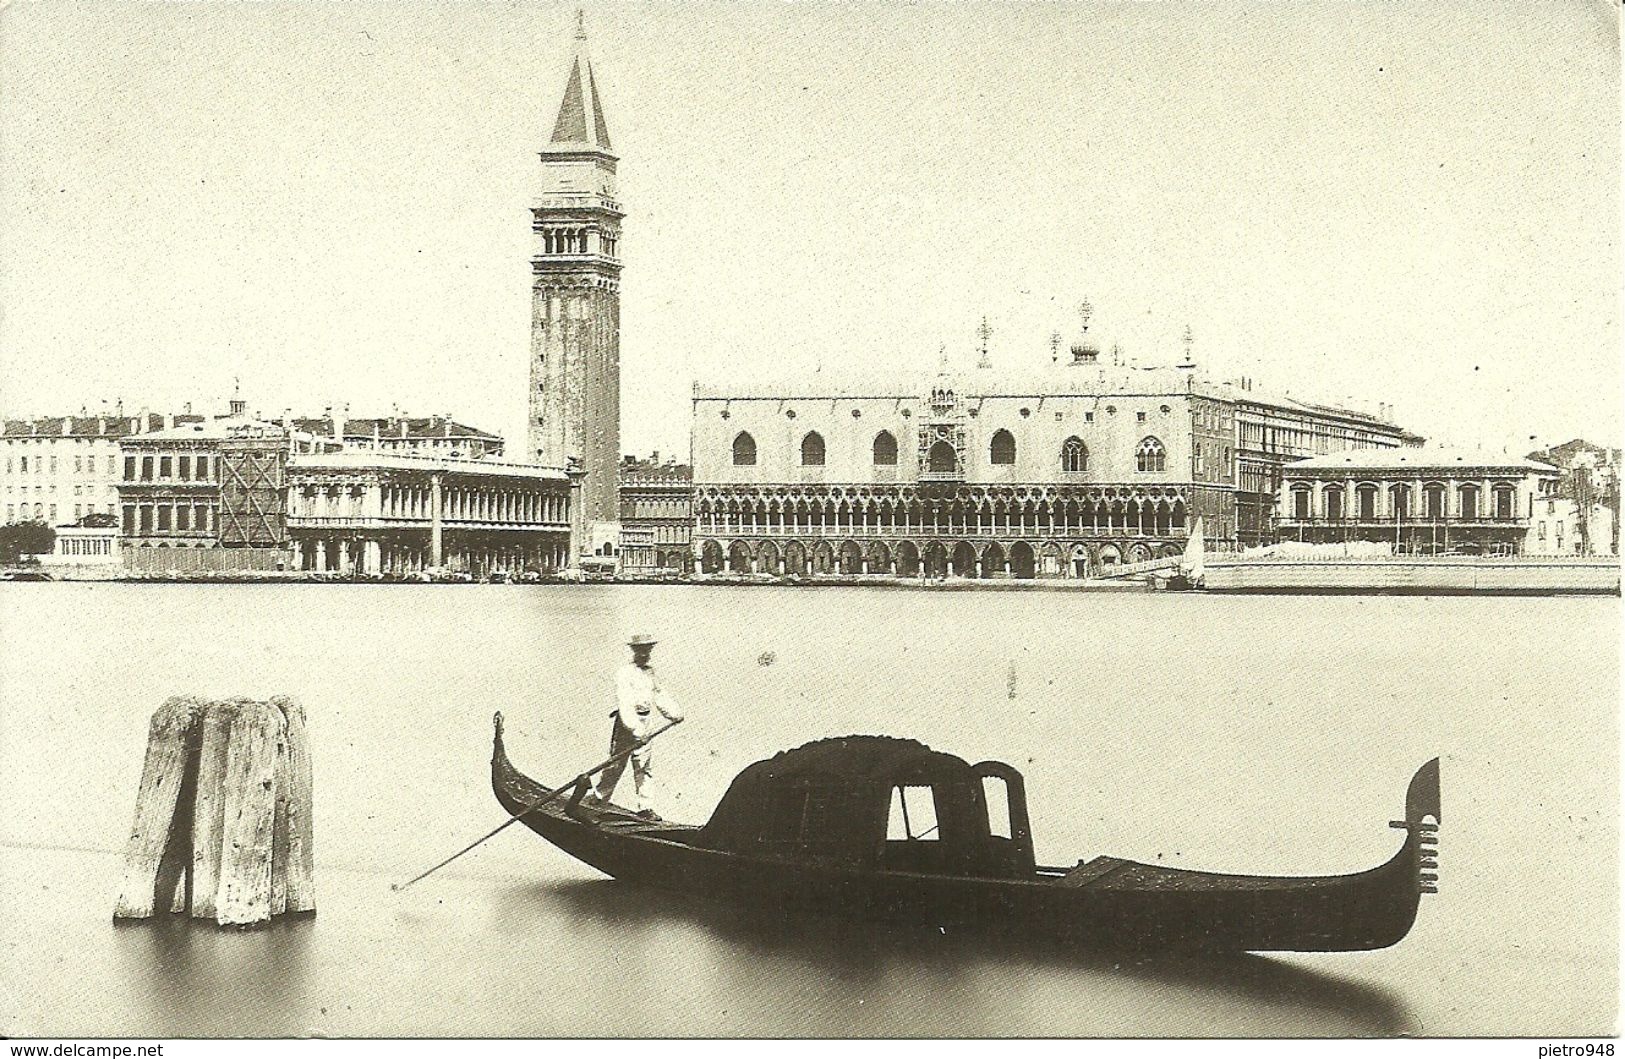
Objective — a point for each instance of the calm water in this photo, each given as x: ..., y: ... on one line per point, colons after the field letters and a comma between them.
x: 1255, y: 734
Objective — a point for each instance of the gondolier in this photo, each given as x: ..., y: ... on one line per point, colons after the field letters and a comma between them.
x: 641, y: 705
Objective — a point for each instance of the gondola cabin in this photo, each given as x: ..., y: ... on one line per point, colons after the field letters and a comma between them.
x: 879, y: 804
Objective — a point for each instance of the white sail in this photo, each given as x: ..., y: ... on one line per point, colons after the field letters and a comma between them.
x: 1191, y: 565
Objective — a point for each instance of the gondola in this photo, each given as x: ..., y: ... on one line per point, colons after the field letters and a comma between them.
x: 888, y: 829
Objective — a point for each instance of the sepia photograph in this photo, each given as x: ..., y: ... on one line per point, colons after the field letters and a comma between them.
x: 743, y: 520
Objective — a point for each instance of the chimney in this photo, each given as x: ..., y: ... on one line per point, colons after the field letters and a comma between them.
x: 188, y: 408
x: 169, y: 420
x: 67, y: 425
x: 338, y: 419
x: 141, y: 424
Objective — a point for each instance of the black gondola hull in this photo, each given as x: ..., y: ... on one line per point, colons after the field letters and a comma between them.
x: 1107, y: 902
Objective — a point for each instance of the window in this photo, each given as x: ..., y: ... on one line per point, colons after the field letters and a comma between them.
x: 1150, y: 456
x: 129, y: 468
x: 913, y: 816
x: 129, y: 521
x: 111, y: 465
x: 165, y: 467
x: 1139, y: 417
x: 183, y: 517
x: 812, y: 450
x: 1367, y: 496
x: 941, y: 459
x: 202, y: 468
x: 1469, y: 502
x: 1074, y: 456
x: 1300, y: 503
x: 78, y: 464
x: 1402, y: 501
x: 146, y: 468
x: 163, y: 517
x: 25, y: 465
x: 744, y: 450
x: 185, y: 468
x: 1334, y: 503
x: 1088, y: 417
x: 996, y: 793
x: 200, y: 517
x: 885, y: 449
x: 1003, y: 449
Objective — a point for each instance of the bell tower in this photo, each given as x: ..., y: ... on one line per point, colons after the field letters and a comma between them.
x: 575, y: 316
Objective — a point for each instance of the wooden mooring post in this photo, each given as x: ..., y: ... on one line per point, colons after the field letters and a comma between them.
x: 223, y: 821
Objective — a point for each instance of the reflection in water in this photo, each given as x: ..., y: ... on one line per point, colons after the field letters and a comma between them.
x: 858, y: 957
x: 195, y: 977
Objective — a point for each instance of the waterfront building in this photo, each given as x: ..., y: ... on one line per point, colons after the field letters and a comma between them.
x: 1425, y: 501
x: 1589, y: 483
x: 85, y: 547
x: 216, y: 489
x: 1055, y: 472
x: 369, y: 513
x: 1569, y: 525
x: 657, y: 525
x: 575, y: 219
x: 59, y: 469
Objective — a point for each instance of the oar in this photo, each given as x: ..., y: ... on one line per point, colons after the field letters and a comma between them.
x: 538, y: 803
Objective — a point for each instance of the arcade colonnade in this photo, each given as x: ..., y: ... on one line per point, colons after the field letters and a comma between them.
x: 368, y: 514
x: 956, y: 532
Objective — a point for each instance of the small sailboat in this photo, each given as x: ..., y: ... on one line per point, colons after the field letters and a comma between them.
x: 1192, y: 573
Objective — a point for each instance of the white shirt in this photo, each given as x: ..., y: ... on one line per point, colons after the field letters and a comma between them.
x: 639, y: 697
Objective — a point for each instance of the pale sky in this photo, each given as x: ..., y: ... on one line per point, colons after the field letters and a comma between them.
x: 1407, y: 203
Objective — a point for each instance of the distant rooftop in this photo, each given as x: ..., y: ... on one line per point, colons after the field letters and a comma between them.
x: 1052, y: 380
x: 1418, y: 459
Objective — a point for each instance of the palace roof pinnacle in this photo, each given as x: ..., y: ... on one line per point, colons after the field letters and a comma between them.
x: 580, y: 122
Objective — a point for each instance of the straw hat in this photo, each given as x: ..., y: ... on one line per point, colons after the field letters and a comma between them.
x: 641, y: 640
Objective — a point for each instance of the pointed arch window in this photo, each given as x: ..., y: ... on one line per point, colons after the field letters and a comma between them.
x: 812, y: 450
x: 744, y: 450
x: 885, y: 449
x: 1074, y: 456
x: 1002, y: 451
x: 1150, y: 456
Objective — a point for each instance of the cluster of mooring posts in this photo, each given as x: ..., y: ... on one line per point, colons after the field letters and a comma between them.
x: 223, y: 816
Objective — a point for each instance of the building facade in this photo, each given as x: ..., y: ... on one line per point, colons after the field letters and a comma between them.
x: 215, y: 489
x: 657, y: 524
x: 575, y: 373
x: 1589, y: 483
x: 373, y: 513
x: 1275, y: 431
x: 1422, y: 501
x: 1059, y: 472
x: 59, y: 469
